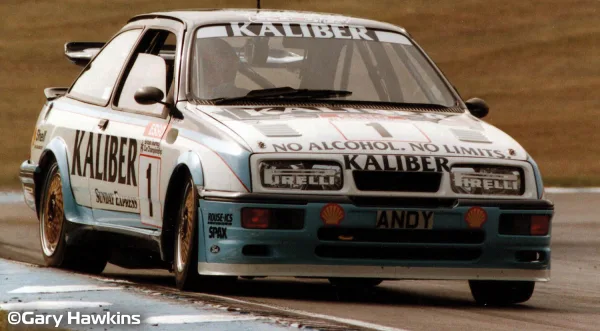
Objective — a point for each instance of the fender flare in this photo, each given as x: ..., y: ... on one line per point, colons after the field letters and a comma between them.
x: 59, y: 150
x: 191, y: 161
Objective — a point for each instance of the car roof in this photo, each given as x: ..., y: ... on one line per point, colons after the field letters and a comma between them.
x: 197, y: 17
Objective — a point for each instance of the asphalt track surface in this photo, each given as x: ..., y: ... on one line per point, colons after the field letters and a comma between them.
x: 570, y: 301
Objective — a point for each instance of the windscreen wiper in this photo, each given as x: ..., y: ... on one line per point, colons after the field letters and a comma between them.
x: 286, y: 93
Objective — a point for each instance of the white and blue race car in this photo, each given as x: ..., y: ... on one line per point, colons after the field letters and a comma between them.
x: 227, y: 143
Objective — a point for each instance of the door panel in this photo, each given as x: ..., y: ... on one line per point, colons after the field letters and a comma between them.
x: 130, y: 159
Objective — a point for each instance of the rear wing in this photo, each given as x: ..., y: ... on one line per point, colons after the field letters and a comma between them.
x: 82, y: 52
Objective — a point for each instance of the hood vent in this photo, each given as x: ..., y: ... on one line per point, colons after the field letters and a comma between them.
x: 277, y: 130
x: 470, y: 136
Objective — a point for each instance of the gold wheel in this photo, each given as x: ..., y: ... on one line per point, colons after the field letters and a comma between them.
x: 185, y: 231
x: 52, y: 216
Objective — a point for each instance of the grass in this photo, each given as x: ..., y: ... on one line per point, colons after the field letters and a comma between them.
x: 536, y: 63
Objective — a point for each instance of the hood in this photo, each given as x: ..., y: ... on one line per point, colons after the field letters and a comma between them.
x: 365, y: 131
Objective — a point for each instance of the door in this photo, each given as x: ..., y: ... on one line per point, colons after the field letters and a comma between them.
x: 133, y: 138
x: 76, y: 116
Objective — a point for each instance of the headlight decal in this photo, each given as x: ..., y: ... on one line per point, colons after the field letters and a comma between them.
x: 301, y: 175
x: 487, y: 180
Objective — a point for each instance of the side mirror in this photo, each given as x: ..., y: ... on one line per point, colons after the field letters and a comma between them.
x: 148, y: 95
x: 477, y: 107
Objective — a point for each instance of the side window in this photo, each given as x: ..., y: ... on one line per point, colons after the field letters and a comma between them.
x: 152, y: 64
x: 96, y: 83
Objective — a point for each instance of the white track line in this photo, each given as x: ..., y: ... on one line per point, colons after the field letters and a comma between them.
x: 187, y: 319
x: 313, y: 315
x: 62, y: 289
x: 572, y: 190
x: 53, y: 305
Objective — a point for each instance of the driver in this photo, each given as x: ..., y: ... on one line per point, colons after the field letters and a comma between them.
x: 220, y: 65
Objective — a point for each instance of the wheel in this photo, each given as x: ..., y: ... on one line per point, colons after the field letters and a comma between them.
x: 186, y: 239
x: 500, y: 293
x: 55, y: 250
x: 355, y: 282
x: 185, y: 264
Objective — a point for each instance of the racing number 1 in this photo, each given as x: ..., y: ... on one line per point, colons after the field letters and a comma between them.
x: 149, y: 178
x: 380, y: 129
x: 150, y: 206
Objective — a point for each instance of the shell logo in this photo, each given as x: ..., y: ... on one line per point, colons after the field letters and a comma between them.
x: 475, y: 217
x: 332, y: 214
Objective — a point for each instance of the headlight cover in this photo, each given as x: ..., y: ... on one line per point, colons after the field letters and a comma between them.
x: 301, y: 175
x: 487, y: 180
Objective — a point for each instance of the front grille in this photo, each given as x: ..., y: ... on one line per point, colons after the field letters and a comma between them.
x: 474, y: 236
x: 398, y: 253
x: 394, y: 181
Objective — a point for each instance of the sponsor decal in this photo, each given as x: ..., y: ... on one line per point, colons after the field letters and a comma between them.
x: 302, y: 30
x: 272, y: 176
x: 215, y: 249
x: 396, y: 163
x: 40, y: 135
x: 334, y: 113
x: 114, y: 199
x: 118, y: 154
x: 332, y: 214
x: 155, y: 130
x: 362, y: 145
x: 220, y: 219
x: 403, y: 219
x: 288, y: 16
x: 487, y: 182
x: 151, y: 147
x: 475, y: 217
x: 217, y: 232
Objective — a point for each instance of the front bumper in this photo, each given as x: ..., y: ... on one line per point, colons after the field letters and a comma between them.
x: 26, y: 175
x: 305, y: 253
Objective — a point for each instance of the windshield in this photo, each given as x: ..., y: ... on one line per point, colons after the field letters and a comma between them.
x: 231, y: 60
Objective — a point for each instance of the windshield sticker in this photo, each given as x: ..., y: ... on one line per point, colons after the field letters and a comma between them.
x: 302, y: 30
x: 298, y: 17
x: 393, y: 38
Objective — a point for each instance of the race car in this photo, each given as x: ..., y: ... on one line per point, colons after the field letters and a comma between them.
x: 250, y: 143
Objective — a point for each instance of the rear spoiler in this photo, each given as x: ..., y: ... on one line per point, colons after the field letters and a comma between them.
x: 82, y: 52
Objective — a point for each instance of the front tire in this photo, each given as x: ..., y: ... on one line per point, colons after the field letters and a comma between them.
x: 185, y: 262
x: 501, y: 293
x: 53, y: 226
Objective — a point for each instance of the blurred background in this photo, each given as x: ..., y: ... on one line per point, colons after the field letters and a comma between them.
x: 536, y: 63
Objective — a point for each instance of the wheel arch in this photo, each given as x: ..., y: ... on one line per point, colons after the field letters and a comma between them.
x: 188, y: 164
x: 56, y: 151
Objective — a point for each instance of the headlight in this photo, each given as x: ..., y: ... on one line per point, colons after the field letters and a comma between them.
x: 301, y: 175
x: 487, y: 180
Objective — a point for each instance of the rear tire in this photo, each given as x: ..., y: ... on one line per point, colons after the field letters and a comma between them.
x: 355, y: 282
x: 501, y: 293
x: 53, y: 226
